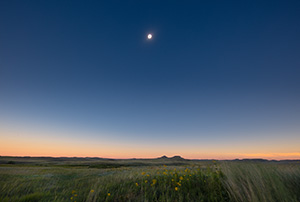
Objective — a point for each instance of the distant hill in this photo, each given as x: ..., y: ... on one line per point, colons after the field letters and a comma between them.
x: 176, y: 158
x: 163, y: 157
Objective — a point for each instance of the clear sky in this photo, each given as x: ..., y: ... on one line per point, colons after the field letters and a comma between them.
x: 219, y: 79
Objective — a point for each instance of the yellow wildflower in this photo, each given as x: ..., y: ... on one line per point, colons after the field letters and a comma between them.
x: 108, y: 194
x: 72, y: 198
x: 136, y: 184
x: 143, y: 173
x: 176, y: 188
x: 164, y: 173
x: 181, y: 178
x: 148, y: 175
x: 146, y: 181
x: 153, y: 182
x: 92, y: 191
x: 73, y: 192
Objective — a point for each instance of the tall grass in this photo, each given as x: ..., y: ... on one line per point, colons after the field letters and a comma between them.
x: 262, y: 181
x: 155, y: 183
x: 225, y: 181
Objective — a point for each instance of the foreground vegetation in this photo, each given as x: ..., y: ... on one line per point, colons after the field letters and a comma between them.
x: 42, y: 179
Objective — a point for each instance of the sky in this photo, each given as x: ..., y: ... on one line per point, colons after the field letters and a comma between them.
x: 219, y: 79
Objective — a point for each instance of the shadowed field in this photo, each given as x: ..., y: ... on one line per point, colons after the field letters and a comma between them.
x: 162, y: 179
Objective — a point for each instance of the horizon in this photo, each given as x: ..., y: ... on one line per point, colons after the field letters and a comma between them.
x: 160, y: 157
x: 215, y: 80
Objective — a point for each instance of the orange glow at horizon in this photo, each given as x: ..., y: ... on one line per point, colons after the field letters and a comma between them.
x: 31, y: 144
x: 76, y: 150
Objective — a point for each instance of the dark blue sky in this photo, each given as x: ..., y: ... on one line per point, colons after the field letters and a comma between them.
x: 214, y: 69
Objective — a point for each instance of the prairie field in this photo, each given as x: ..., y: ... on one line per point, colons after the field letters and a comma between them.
x: 162, y: 179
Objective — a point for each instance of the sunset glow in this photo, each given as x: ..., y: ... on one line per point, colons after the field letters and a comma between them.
x: 201, y: 80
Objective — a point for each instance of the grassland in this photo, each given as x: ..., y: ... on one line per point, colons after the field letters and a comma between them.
x: 163, y: 179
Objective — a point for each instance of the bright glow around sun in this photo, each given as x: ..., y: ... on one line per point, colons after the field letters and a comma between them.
x: 149, y: 36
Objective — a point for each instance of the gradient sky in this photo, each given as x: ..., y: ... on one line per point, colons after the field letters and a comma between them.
x: 219, y: 79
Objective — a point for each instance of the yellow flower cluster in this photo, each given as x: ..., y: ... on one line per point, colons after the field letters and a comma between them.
x: 179, y: 177
x: 74, y: 195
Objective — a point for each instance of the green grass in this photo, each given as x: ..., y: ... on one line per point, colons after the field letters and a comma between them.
x: 262, y: 181
x: 150, y: 181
